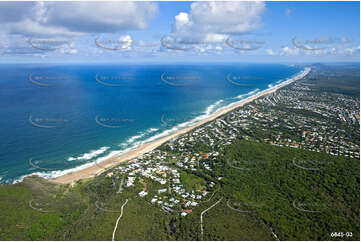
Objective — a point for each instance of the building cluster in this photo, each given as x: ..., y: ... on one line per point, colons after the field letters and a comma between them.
x: 298, y: 117
x: 159, y: 175
x: 295, y: 116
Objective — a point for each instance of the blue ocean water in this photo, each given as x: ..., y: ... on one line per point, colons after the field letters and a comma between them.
x: 59, y: 118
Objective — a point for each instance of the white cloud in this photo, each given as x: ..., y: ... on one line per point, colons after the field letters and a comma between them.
x: 270, y: 52
x: 30, y: 27
x: 101, y: 16
x: 339, y: 50
x: 289, y: 51
x: 182, y: 22
x: 74, y: 18
x: 126, y: 41
x: 24, y: 21
x: 214, y: 21
x: 353, y: 50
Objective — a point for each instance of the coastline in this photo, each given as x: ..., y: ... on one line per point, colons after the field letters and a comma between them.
x: 96, y: 169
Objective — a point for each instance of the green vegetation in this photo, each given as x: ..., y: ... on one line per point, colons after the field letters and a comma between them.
x: 266, y: 191
x: 337, y: 78
x: 261, y: 188
x: 191, y: 181
x: 270, y: 188
x: 37, y: 210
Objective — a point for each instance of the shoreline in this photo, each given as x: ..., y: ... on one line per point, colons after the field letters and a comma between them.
x: 97, y: 169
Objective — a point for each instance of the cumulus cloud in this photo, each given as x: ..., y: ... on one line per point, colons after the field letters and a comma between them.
x: 215, y: 21
x: 101, y: 16
x: 74, y: 18
x: 23, y: 22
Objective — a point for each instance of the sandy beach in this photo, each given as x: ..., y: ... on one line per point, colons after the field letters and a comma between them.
x: 111, y: 162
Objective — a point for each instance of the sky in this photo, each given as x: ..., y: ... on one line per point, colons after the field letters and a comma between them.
x: 241, y: 31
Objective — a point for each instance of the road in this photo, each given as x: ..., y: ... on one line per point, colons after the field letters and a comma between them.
x: 238, y: 210
x: 204, y: 211
x: 121, y: 185
x: 121, y: 214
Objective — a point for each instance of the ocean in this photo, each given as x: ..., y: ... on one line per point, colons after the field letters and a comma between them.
x: 59, y: 118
